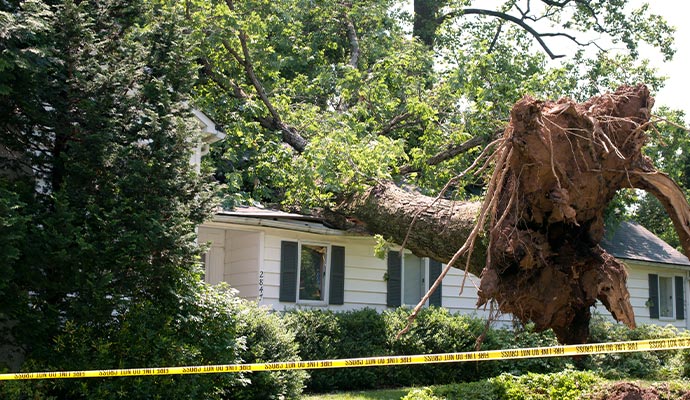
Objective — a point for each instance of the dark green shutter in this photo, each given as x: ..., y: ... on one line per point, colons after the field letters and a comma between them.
x: 435, y: 268
x: 680, y: 298
x: 394, y: 291
x: 337, y: 281
x: 288, y: 271
x: 653, y: 296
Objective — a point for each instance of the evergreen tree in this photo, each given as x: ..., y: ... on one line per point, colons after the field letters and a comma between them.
x: 99, y: 261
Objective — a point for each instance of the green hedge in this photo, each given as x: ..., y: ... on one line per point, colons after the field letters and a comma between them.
x: 324, y: 334
x: 661, y: 365
x: 213, y: 326
x: 564, y: 385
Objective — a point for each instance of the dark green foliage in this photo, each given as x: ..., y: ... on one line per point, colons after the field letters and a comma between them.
x: 267, y: 339
x: 524, y: 337
x: 366, y: 333
x: 647, y: 365
x: 99, y: 260
x: 435, y: 330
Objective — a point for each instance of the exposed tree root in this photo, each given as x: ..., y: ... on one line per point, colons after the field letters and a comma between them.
x: 556, y: 168
x: 568, y: 160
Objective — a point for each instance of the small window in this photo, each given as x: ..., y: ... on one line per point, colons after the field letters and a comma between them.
x: 408, y: 278
x: 414, y: 279
x: 666, y: 297
x: 312, y: 272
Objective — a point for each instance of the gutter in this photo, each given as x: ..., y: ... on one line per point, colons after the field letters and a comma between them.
x: 273, y: 223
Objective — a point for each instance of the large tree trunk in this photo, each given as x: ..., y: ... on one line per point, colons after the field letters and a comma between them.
x: 559, y: 165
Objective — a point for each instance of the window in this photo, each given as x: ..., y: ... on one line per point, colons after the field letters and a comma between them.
x: 409, y: 278
x: 666, y: 297
x: 312, y: 273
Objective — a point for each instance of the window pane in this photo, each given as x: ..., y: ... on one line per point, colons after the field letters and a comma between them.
x: 666, y: 297
x: 312, y: 272
x: 413, y: 279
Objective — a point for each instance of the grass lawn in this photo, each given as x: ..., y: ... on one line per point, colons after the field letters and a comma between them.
x: 387, y: 394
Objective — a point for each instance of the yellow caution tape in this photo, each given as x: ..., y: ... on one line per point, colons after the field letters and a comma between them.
x: 534, y: 352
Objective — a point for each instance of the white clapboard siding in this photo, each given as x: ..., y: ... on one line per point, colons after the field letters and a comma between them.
x: 250, y: 262
x: 638, y: 286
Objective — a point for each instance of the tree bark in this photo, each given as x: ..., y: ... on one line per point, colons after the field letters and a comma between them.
x: 558, y: 167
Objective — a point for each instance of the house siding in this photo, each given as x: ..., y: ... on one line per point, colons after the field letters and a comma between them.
x: 243, y: 259
x: 252, y: 252
x: 638, y: 286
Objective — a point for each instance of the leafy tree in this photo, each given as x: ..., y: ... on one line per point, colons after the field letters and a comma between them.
x: 333, y: 107
x: 99, y: 261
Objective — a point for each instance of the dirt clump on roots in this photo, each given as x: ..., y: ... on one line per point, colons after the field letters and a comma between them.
x: 558, y: 167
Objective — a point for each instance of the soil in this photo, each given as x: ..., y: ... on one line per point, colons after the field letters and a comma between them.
x: 632, y: 391
x: 562, y: 164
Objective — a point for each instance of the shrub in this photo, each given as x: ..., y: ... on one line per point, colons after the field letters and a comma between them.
x: 662, y: 364
x: 524, y: 336
x: 318, y: 335
x: 267, y: 340
x: 435, y: 330
x: 202, y: 331
x: 565, y: 385
x: 212, y: 326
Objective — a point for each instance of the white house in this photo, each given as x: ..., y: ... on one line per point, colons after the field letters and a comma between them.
x: 285, y: 260
x: 657, y: 275
x: 288, y: 260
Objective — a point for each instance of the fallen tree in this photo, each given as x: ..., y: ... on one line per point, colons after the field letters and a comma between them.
x: 556, y: 168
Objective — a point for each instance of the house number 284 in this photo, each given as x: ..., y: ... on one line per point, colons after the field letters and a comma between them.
x: 261, y: 285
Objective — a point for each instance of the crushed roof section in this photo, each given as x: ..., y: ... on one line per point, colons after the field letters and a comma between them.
x: 258, y: 212
x: 632, y: 241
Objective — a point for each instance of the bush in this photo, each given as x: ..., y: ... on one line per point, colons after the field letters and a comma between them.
x: 435, y: 330
x: 202, y: 331
x: 267, y: 340
x: 211, y: 326
x: 663, y: 364
x: 323, y: 334
x: 524, y: 336
x: 565, y: 385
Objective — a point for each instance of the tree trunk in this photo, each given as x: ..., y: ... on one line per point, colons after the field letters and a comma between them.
x: 426, y: 20
x: 559, y: 165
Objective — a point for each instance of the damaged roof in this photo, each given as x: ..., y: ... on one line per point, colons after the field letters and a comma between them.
x: 632, y: 241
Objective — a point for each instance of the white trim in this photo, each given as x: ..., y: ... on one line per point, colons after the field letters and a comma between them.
x: 293, y: 226
x: 209, y: 127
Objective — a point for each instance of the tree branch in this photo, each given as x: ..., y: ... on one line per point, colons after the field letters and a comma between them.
x: 506, y: 17
x: 451, y: 151
x: 289, y: 134
x: 354, y: 41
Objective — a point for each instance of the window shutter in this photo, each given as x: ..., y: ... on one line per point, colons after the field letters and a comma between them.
x: 336, y: 287
x: 653, y: 296
x: 288, y: 271
x: 680, y: 298
x: 393, y: 293
x: 434, y: 271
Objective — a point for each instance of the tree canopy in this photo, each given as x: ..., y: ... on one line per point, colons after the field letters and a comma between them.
x: 370, y: 90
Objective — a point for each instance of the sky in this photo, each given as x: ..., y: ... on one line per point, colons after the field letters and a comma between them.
x: 676, y: 93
